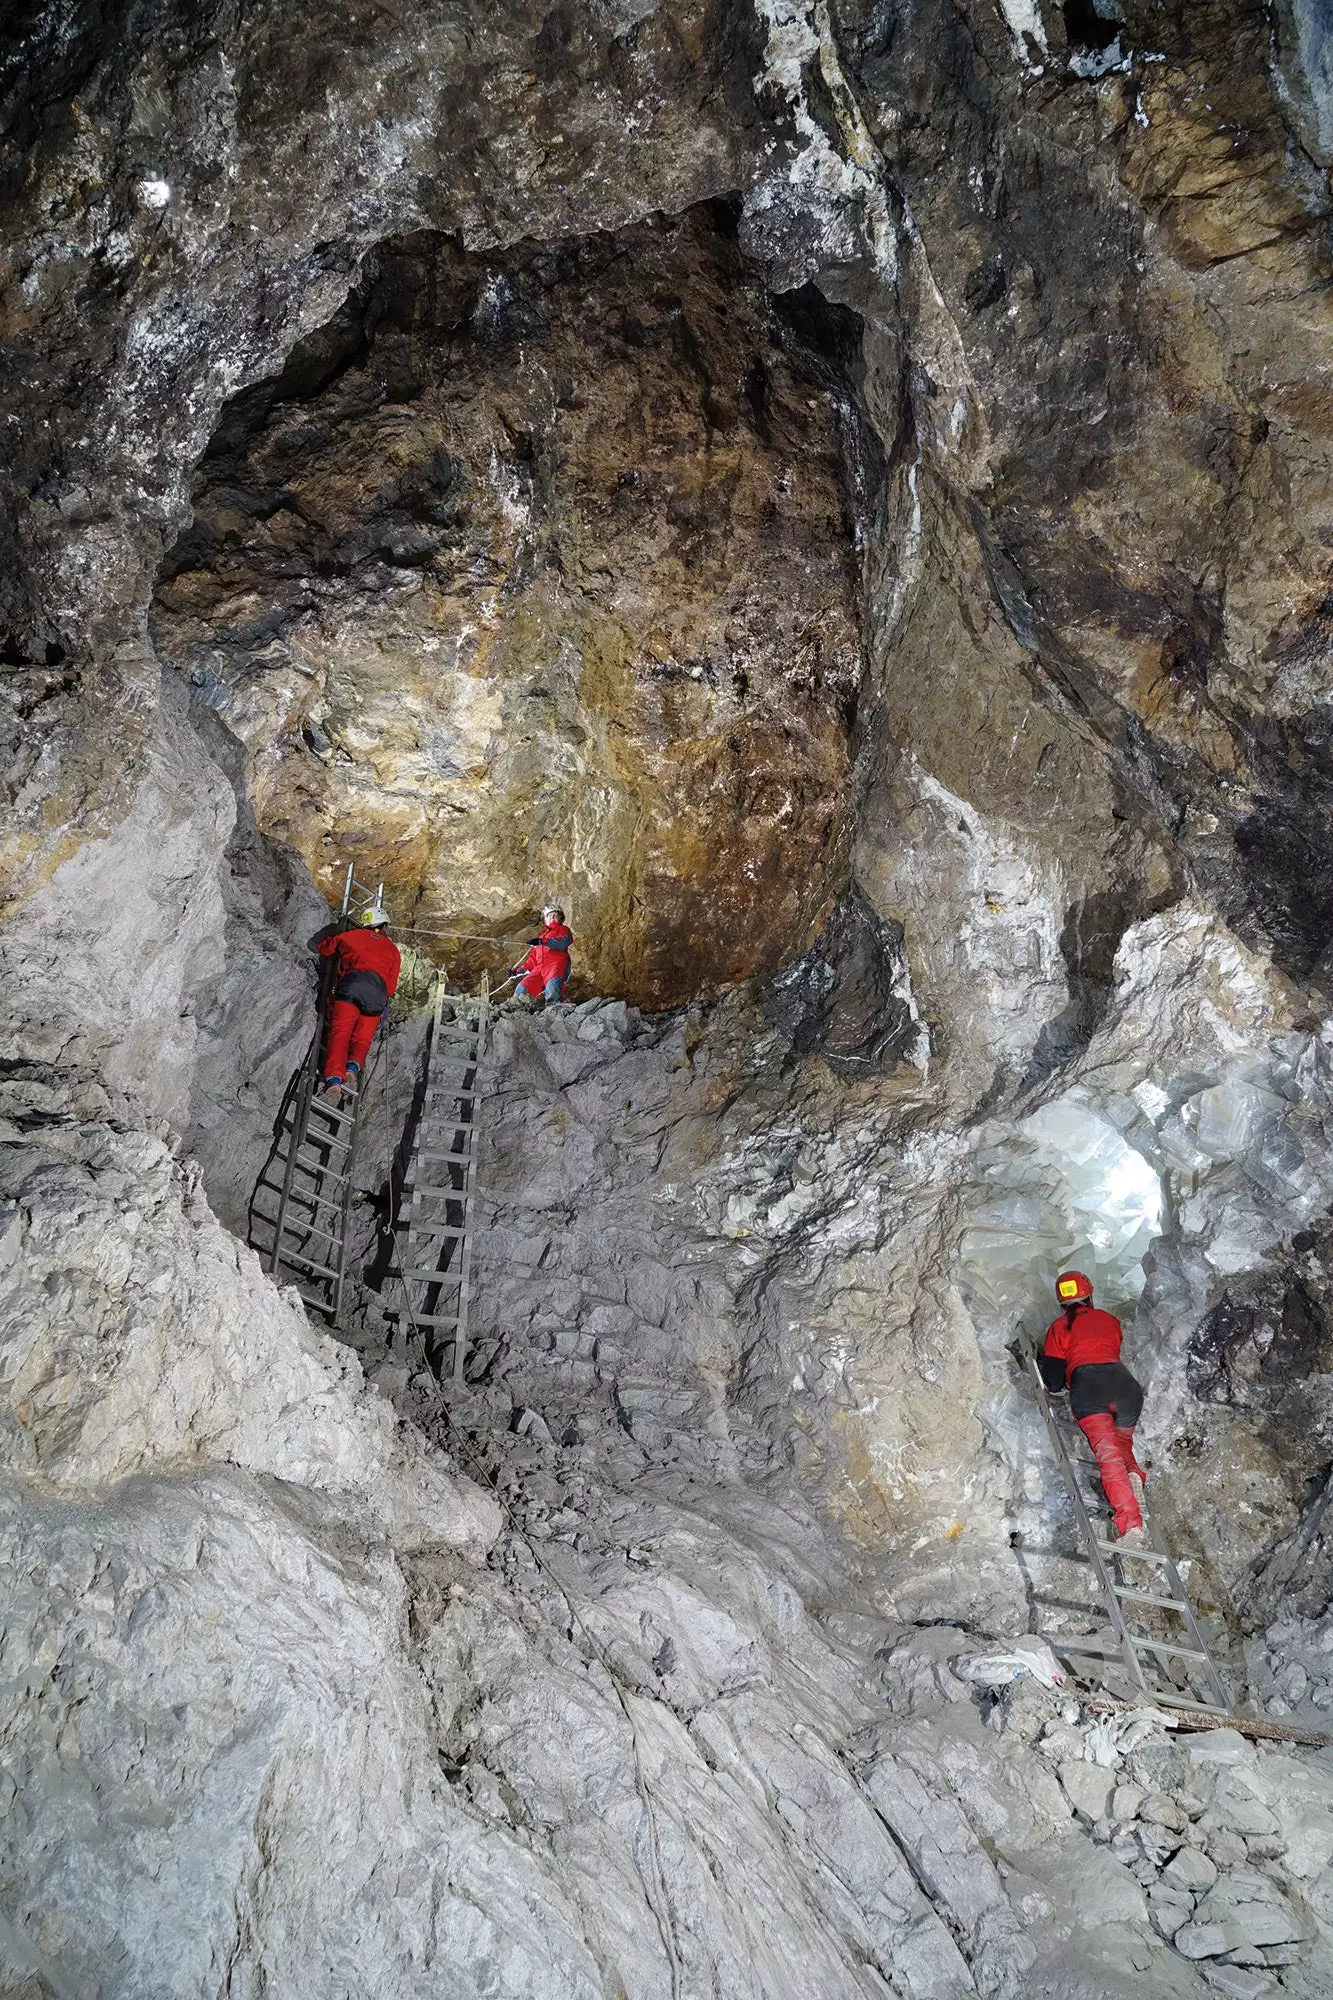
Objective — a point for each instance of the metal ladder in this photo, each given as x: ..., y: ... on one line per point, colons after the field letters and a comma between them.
x: 432, y: 1273
x: 301, y: 1206
x: 1156, y: 1584
x: 306, y: 1232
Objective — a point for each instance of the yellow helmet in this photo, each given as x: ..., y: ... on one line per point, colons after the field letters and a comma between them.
x: 374, y: 918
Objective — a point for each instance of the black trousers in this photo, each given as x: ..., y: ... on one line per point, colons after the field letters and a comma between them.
x: 1106, y: 1386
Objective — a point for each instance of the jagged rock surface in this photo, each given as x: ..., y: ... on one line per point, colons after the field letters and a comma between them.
x: 286, y: 1707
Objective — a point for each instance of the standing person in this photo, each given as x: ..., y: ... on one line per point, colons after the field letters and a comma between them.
x: 1082, y: 1353
x: 546, y: 968
x: 367, y: 965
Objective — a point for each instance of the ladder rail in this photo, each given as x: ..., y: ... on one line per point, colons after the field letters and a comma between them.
x: 324, y: 1154
x: 470, y: 1182
x: 300, y: 1113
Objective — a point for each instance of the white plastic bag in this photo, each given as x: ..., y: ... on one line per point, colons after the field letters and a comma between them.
x: 1028, y: 1655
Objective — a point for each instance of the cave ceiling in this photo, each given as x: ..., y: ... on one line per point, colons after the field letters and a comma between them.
x: 1068, y: 497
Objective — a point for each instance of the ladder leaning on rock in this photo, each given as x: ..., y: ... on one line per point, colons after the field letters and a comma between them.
x: 430, y: 1283
x: 300, y: 1210
x: 1135, y: 1582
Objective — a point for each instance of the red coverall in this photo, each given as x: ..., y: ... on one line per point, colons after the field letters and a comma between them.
x: 547, y: 964
x: 1082, y: 1350
x: 351, y: 1026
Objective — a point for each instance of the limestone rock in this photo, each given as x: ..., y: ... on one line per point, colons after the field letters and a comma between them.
x: 1190, y: 1870
x: 1089, y: 1787
x: 1202, y: 1940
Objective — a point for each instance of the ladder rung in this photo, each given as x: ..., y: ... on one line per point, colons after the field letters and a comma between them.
x: 1139, y: 1555
x: 1174, y: 1652
x: 438, y: 1229
x: 1147, y: 1597
x: 307, y: 1201
x: 321, y: 1166
x: 324, y: 1235
x: 423, y: 1319
x: 309, y: 1138
x: 426, y: 1277
x: 1189, y: 1701
x: 331, y: 1110
x: 432, y: 1153
x: 306, y: 1264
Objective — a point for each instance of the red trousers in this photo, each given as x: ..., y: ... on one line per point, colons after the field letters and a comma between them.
x: 1113, y: 1449
x: 350, y: 1035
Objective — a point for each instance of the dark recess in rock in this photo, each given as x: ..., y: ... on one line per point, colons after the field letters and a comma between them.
x: 1285, y: 839
x: 1090, y: 25
x: 843, y: 999
x: 987, y: 284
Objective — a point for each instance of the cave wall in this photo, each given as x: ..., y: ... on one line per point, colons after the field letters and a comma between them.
x: 535, y: 577
x: 737, y: 1376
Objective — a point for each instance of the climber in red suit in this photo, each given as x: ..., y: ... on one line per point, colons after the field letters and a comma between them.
x: 546, y: 967
x: 366, y: 966
x: 1082, y: 1353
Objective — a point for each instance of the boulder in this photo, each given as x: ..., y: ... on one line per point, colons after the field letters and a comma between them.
x: 1104, y: 1892
x: 1251, y: 1910
x: 1201, y: 1940
x: 1237, y: 1982
x: 1227, y: 1849
x: 1189, y: 1870
x: 1168, y: 1912
x: 1236, y: 1809
x: 1088, y: 1788
x: 1159, y: 1809
x: 1219, y: 1747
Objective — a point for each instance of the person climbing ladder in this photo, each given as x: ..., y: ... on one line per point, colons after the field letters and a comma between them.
x: 1081, y: 1352
x: 367, y: 965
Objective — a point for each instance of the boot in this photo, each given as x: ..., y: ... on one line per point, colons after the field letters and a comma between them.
x: 1099, y: 1430
x: 1138, y: 1479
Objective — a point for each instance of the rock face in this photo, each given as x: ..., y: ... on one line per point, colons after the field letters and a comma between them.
x: 840, y: 497
x: 541, y: 568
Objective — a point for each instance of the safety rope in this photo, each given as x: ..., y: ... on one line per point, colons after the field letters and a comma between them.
x: 655, y: 1888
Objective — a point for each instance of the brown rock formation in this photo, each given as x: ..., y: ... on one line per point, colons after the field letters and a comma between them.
x: 536, y: 575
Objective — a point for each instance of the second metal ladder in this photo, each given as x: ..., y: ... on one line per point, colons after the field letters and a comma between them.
x: 299, y: 1222
x: 1135, y: 1581
x: 301, y: 1207
x: 431, y: 1283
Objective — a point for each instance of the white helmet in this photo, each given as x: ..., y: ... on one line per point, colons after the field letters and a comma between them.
x: 374, y: 918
